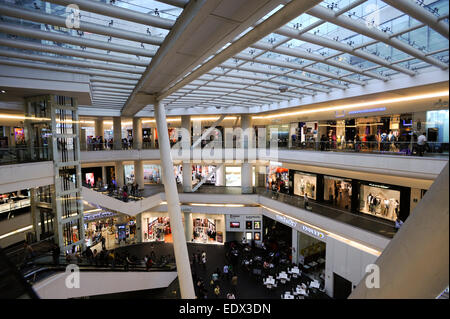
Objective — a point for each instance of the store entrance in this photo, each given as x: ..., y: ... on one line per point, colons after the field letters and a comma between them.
x: 159, y: 230
x: 342, y: 288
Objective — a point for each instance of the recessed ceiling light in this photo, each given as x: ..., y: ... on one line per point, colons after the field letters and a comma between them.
x: 3, y: 91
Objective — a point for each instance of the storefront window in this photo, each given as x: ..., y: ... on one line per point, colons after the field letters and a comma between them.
x: 437, y: 126
x: 338, y: 192
x: 305, y: 184
x: 152, y: 174
x: 129, y: 174
x: 277, y: 179
x: 233, y: 175
x: 380, y: 201
x: 207, y: 230
x: 158, y: 229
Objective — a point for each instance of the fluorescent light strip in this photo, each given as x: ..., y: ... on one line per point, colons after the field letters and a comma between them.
x: 20, y: 230
x: 355, y: 105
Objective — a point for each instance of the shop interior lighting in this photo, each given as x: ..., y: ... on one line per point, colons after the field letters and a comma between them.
x: 356, y: 105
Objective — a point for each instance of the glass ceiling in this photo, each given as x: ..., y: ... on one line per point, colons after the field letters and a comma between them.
x: 310, y: 55
x: 115, y: 56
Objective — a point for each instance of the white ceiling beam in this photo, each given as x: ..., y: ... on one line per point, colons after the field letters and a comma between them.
x: 118, y: 12
x: 361, y: 28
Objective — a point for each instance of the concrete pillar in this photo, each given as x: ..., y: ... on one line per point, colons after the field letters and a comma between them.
x: 294, y: 246
x: 153, y: 138
x: 120, y: 175
x: 137, y: 133
x: 139, y: 173
x: 99, y: 130
x: 188, y: 227
x: 139, y: 228
x: 186, y: 144
x: 35, y: 214
x: 83, y: 146
x: 104, y: 181
x: 220, y: 176
x: 117, y: 132
x: 246, y: 167
x: 173, y: 206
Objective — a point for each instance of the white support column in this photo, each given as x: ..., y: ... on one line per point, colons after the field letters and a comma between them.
x: 294, y: 246
x: 246, y: 168
x: 119, y: 172
x: 99, y: 130
x: 186, y: 145
x: 104, y: 175
x: 139, y: 228
x: 188, y: 227
x: 117, y: 131
x: 139, y: 173
x: 137, y: 133
x: 153, y: 138
x: 220, y: 176
x: 83, y: 146
x: 173, y: 206
x: 35, y: 214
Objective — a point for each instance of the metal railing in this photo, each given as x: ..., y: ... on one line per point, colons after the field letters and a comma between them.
x: 372, y: 147
x: 24, y: 154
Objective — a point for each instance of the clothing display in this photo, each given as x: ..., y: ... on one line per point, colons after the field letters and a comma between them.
x: 378, y: 205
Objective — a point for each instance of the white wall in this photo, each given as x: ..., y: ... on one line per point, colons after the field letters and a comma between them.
x: 99, y: 283
x: 346, y: 261
x: 28, y: 175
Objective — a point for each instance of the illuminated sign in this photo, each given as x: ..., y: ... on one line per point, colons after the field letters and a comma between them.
x: 312, y: 231
x: 379, y: 186
x: 286, y: 221
x: 379, y: 109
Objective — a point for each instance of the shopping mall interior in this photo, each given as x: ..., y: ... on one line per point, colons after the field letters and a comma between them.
x: 224, y: 149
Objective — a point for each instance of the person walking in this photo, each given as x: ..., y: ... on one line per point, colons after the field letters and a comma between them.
x: 225, y: 272
x: 234, y: 282
x: 89, y: 255
x: 204, y: 259
x: 421, y: 143
x: 56, y: 251
x: 103, y: 243
x: 217, y: 291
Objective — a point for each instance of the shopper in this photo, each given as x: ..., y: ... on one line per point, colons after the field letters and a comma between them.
x: 234, y: 282
x: 225, y: 272
x: 421, y: 143
x: 204, y: 259
x: 56, y: 251
x: 89, y: 255
x: 217, y: 291
x: 103, y: 242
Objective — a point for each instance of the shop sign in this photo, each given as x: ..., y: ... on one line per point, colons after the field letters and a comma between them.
x: 379, y: 186
x: 253, y: 217
x: 287, y: 221
x: 312, y: 231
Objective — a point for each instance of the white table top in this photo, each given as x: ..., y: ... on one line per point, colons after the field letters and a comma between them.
x: 301, y: 291
x: 269, y: 281
x: 282, y: 276
x: 288, y: 296
x: 313, y: 263
x: 314, y: 284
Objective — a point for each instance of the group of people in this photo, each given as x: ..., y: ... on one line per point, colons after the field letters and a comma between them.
x: 218, y: 279
x: 98, y: 143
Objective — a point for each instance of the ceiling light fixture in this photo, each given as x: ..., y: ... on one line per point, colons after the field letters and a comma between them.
x: 355, y: 105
